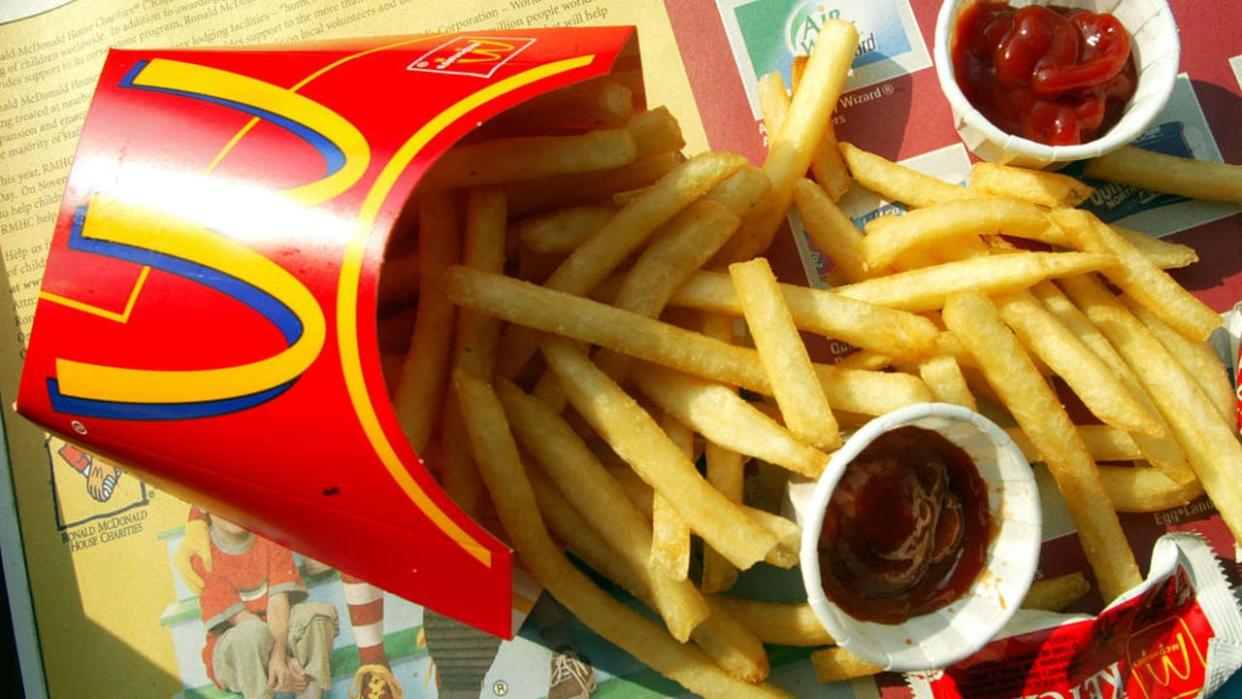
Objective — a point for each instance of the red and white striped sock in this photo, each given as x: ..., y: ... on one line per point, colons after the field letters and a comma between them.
x: 366, y: 615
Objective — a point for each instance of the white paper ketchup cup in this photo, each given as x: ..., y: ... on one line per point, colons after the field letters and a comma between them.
x: 1157, y: 54
x: 955, y: 631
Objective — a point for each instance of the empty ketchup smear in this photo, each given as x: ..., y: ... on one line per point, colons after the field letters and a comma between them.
x: 1055, y: 75
x: 907, y: 528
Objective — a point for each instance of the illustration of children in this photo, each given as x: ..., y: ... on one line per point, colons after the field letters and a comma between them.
x: 262, y: 637
x: 364, y: 602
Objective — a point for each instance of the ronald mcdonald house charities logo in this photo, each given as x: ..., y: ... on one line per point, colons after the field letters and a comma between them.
x: 470, y: 55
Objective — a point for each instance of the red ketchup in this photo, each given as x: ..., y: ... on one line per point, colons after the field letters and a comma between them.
x: 907, y: 528
x: 1050, y: 74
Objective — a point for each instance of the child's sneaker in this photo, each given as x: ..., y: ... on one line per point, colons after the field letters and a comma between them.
x: 572, y: 678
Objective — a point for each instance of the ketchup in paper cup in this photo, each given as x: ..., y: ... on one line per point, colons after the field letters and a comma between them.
x: 921, y: 538
x: 1033, y: 134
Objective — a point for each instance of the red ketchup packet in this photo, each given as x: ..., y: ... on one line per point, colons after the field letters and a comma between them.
x: 1179, y: 634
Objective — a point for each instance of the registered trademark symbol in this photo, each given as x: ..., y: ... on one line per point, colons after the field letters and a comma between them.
x: 500, y: 688
x: 888, y: 89
x: 78, y: 427
x: 423, y: 64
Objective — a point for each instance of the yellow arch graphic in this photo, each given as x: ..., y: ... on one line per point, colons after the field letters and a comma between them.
x: 212, y: 82
x: 117, y: 222
x: 351, y: 271
x: 209, y: 82
x: 241, y: 133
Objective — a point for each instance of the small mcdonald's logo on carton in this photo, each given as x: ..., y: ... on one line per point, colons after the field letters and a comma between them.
x: 1170, y: 662
x: 470, y: 55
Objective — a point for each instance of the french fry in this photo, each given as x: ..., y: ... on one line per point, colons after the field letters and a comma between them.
x: 773, y: 103
x: 546, y: 193
x: 783, y: 356
x: 914, y: 259
x: 424, y: 375
x: 590, y: 321
x: 733, y: 646
x: 945, y: 381
x: 926, y: 289
x: 723, y: 417
x: 786, y: 532
x: 560, y: 232
x: 637, y: 439
x: 866, y: 360
x: 838, y: 665
x: 1056, y: 594
x: 661, y: 343
x: 1104, y: 443
x: 1210, y: 445
x: 889, y: 236
x: 593, y: 104
x: 736, y: 649
x: 869, y: 392
x: 1140, y: 489
x: 738, y: 192
x: 655, y: 131
x: 687, y: 242
x: 741, y: 191
x: 670, y: 535
x: 1197, y: 358
x: 1161, y: 452
x: 584, y: 540
x: 797, y: 69
x: 529, y: 158
x: 788, y: 536
x: 791, y: 150
x: 975, y: 321
x: 965, y: 248
x: 829, y: 168
x: 832, y: 232
x: 502, y: 471
x: 474, y: 348
x: 1100, y: 389
x: 634, y: 223
x: 782, y: 624
x: 600, y: 254
x: 1036, y: 186
x: 1139, y: 277
x: 897, y: 182
x: 1158, y: 172
x: 1162, y: 253
x: 725, y: 471
x: 584, y: 481
x: 862, y: 324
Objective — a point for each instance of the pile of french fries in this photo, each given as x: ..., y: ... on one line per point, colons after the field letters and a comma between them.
x: 581, y: 318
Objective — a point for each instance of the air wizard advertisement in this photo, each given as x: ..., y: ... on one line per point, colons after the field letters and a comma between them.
x: 207, y: 318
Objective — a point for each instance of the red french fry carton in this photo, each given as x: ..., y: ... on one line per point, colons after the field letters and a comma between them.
x: 208, y: 311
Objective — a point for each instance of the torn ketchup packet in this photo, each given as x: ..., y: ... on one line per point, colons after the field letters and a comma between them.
x: 1179, y: 634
